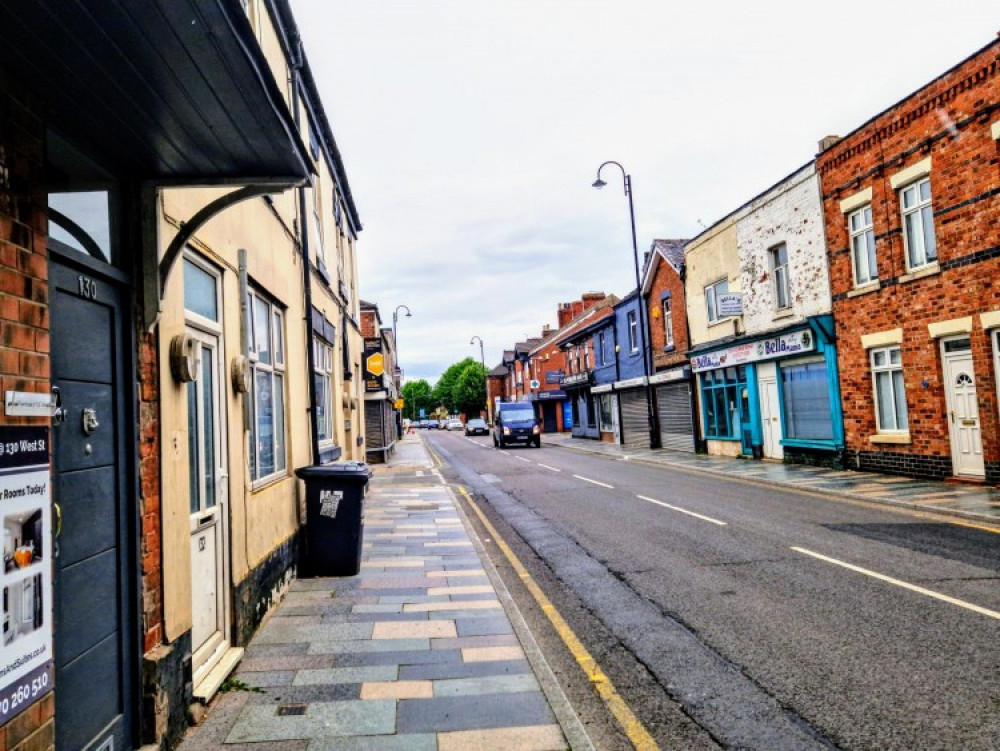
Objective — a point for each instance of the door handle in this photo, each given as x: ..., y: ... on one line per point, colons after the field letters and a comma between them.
x: 58, y: 414
x: 58, y: 511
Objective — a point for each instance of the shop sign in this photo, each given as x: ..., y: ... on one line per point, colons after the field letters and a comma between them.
x: 374, y: 364
x: 549, y: 395
x: 730, y: 304
x: 577, y: 379
x: 677, y: 374
x: 27, y: 670
x: 783, y: 345
x: 631, y: 383
x: 29, y: 404
x: 554, y: 376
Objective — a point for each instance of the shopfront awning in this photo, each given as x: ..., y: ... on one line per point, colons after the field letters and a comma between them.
x: 172, y: 91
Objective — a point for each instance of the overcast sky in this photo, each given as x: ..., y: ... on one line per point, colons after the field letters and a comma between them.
x: 472, y: 130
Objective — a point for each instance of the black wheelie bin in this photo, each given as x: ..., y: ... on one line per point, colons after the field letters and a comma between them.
x: 335, y: 517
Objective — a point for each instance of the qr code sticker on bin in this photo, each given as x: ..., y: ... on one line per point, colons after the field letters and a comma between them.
x: 329, y: 500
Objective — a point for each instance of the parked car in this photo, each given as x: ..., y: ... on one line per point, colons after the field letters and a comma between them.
x: 477, y: 426
x: 454, y: 424
x: 516, y: 423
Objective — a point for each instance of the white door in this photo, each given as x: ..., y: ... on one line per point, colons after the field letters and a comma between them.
x: 963, y: 409
x: 207, y: 486
x: 770, y: 418
x: 615, y: 418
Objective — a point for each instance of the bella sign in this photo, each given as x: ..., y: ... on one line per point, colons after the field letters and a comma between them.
x: 783, y: 345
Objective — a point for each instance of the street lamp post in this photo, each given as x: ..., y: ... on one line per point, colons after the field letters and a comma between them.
x: 395, y: 344
x: 486, y: 380
x: 646, y: 353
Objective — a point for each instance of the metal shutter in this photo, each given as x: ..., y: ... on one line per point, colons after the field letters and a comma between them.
x: 373, y: 425
x: 635, y: 419
x: 673, y: 401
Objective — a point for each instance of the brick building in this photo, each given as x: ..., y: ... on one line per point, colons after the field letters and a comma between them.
x: 383, y: 422
x: 663, y: 290
x: 911, y: 203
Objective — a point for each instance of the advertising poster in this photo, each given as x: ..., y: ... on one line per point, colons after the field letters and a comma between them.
x: 26, y: 660
x: 374, y: 365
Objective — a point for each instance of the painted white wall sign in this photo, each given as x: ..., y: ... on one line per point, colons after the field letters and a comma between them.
x: 29, y: 404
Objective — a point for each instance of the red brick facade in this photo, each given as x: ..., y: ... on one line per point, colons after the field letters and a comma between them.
x: 666, y: 280
x: 24, y: 315
x: 952, y: 123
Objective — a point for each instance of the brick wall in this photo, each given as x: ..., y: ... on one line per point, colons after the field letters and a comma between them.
x: 948, y: 121
x: 24, y: 315
x: 666, y: 279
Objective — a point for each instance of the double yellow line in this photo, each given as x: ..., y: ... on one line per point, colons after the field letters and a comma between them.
x: 634, y: 729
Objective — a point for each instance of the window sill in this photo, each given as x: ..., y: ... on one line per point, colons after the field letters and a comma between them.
x: 829, y: 444
x: 896, y: 438
x: 865, y: 289
x: 920, y: 273
x: 721, y: 438
x: 266, y: 482
x: 721, y: 321
x: 783, y: 313
x: 669, y: 348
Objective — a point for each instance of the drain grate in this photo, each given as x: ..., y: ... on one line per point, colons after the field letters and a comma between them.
x: 291, y: 710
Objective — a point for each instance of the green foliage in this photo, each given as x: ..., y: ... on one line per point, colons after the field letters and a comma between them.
x: 235, y: 684
x: 417, y: 395
x: 462, y: 387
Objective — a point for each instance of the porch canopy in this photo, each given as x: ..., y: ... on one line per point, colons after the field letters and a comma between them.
x: 176, y: 92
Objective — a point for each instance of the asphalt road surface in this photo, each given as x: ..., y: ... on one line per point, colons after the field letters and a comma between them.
x: 737, y: 616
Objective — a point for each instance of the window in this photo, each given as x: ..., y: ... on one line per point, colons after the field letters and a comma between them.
x: 633, y: 333
x: 605, y: 414
x: 323, y: 382
x: 316, y: 228
x: 720, y: 394
x: 779, y: 276
x: 668, y: 323
x: 918, y: 224
x: 602, y: 357
x: 890, y: 394
x: 267, y: 359
x: 806, y: 401
x: 712, y: 293
x: 859, y: 225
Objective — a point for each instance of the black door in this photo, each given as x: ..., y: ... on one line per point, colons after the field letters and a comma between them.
x: 93, y: 591
x: 549, y: 424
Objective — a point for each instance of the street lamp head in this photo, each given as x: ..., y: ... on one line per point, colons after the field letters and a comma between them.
x: 599, y: 183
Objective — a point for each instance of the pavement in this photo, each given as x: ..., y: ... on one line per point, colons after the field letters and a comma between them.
x: 969, y: 501
x: 423, y: 649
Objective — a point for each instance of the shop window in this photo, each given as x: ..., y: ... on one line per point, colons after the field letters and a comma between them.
x: 721, y: 391
x: 605, y: 413
x: 890, y: 394
x: 806, y: 401
x: 267, y: 359
x: 918, y: 224
x: 859, y: 225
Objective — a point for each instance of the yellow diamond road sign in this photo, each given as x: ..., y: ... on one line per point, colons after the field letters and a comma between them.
x: 376, y: 364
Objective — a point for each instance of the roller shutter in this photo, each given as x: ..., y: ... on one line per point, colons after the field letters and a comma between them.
x: 673, y: 402
x: 635, y: 419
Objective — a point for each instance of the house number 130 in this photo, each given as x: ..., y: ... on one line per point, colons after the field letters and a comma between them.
x: 88, y: 287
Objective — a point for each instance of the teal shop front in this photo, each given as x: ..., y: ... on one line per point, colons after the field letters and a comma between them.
x: 773, y: 396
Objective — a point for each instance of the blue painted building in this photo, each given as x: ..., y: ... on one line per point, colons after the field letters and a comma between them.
x: 630, y: 386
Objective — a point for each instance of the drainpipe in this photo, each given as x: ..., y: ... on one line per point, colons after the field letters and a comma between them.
x: 296, y: 53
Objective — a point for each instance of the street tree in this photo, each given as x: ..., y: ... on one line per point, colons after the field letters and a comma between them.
x: 417, y: 395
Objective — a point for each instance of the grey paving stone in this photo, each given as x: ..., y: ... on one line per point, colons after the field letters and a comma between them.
x: 418, y: 595
x: 462, y: 670
x: 463, y: 642
x: 493, y: 684
x: 272, y: 634
x: 407, y: 742
x: 306, y: 694
x: 284, y: 662
x: 458, y: 613
x: 346, y: 675
x: 368, y: 645
x: 488, y: 626
x: 425, y: 657
x: 261, y: 723
x: 274, y: 650
x: 472, y: 712
x: 376, y: 617
x: 264, y: 679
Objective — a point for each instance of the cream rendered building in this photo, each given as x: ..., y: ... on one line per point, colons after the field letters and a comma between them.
x: 260, y: 350
x: 713, y: 269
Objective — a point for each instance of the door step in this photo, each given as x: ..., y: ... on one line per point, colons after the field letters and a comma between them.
x: 208, y: 687
x: 959, y: 480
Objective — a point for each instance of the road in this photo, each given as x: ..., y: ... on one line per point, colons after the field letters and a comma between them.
x: 737, y: 616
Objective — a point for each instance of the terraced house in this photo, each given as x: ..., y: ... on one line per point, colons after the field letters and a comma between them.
x: 180, y: 332
x: 911, y: 201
